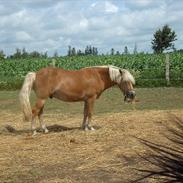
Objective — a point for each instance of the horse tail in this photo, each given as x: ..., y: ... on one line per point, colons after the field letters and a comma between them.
x: 25, y: 94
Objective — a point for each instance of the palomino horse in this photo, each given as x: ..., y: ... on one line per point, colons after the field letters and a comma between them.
x: 86, y: 85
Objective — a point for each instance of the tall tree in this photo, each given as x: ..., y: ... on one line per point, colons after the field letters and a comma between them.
x: 90, y: 50
x: 24, y: 53
x: 112, y: 51
x: 35, y: 54
x: 45, y: 54
x: 55, y: 54
x: 135, y: 49
x: 73, y: 52
x: 87, y: 50
x: 17, y: 54
x: 126, y: 50
x: 79, y: 52
x: 163, y: 39
x: 117, y: 53
x: 2, y: 55
x: 69, y: 51
x: 96, y: 51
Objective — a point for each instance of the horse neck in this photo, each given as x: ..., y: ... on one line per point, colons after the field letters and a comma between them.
x: 104, y: 74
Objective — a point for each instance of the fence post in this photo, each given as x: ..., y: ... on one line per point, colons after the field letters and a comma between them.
x: 53, y: 62
x: 167, y: 69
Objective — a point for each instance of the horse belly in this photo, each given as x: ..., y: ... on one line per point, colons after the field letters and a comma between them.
x: 76, y: 89
x: 69, y: 96
x: 74, y: 95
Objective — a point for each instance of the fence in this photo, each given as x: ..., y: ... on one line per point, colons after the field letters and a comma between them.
x: 167, y: 75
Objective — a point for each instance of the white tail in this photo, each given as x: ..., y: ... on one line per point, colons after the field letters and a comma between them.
x: 25, y: 93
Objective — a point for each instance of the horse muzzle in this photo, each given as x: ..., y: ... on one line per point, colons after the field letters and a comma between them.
x: 129, y: 96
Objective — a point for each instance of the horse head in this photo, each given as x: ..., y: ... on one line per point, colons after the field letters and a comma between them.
x: 124, y: 79
x: 126, y: 85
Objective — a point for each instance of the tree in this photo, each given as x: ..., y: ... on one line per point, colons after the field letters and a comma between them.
x: 69, y: 51
x: 17, y: 54
x: 55, y: 54
x: 45, y: 54
x: 35, y: 54
x: 126, y: 50
x: 24, y: 53
x: 112, y: 51
x: 163, y: 39
x: 96, y: 51
x: 79, y: 52
x: 87, y: 50
x: 90, y: 50
x: 2, y: 55
x: 117, y: 53
x: 135, y: 49
x: 73, y: 52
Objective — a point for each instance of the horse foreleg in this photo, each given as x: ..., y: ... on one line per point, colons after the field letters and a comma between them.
x: 42, y: 124
x: 88, y: 110
x: 85, y: 113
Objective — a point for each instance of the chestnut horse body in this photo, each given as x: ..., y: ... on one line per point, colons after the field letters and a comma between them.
x: 85, y: 84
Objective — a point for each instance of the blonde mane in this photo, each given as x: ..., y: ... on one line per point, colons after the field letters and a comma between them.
x: 115, y: 75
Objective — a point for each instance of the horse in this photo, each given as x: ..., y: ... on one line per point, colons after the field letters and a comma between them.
x: 86, y: 84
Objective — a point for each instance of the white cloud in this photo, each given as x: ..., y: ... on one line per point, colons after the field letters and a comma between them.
x: 93, y: 4
x: 110, y: 8
x: 53, y: 25
x: 83, y: 23
x: 143, y: 3
x: 22, y: 36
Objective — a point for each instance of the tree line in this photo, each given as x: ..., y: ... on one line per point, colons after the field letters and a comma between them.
x: 72, y: 51
x: 163, y: 39
x: 22, y: 53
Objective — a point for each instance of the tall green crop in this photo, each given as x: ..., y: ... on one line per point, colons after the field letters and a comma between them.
x: 145, y: 67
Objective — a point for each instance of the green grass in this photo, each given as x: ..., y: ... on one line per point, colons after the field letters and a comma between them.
x: 110, y: 101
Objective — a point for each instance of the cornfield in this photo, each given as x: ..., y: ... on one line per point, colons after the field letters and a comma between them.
x: 148, y: 69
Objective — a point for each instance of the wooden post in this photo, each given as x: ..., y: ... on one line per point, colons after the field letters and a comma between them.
x: 167, y: 69
x: 53, y: 62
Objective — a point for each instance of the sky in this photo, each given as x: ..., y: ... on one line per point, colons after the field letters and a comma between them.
x: 53, y: 25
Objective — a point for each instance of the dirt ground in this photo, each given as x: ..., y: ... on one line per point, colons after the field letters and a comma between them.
x: 111, y: 153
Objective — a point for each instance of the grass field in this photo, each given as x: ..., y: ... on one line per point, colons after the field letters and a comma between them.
x: 68, y: 155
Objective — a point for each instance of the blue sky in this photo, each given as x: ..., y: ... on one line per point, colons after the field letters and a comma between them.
x: 50, y: 25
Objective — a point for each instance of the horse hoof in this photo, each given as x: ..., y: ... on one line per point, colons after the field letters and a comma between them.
x: 46, y: 130
x: 34, y: 133
x: 92, y: 129
x: 86, y: 129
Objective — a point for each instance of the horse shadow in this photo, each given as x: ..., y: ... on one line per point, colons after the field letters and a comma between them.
x: 166, y: 161
x: 55, y: 128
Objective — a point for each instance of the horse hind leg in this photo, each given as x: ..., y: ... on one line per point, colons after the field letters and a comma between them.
x: 42, y: 124
x: 35, y: 112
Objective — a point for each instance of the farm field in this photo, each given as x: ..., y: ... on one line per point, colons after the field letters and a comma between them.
x: 148, y: 69
x: 67, y: 154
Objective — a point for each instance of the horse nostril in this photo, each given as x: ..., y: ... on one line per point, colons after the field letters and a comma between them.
x: 131, y: 94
